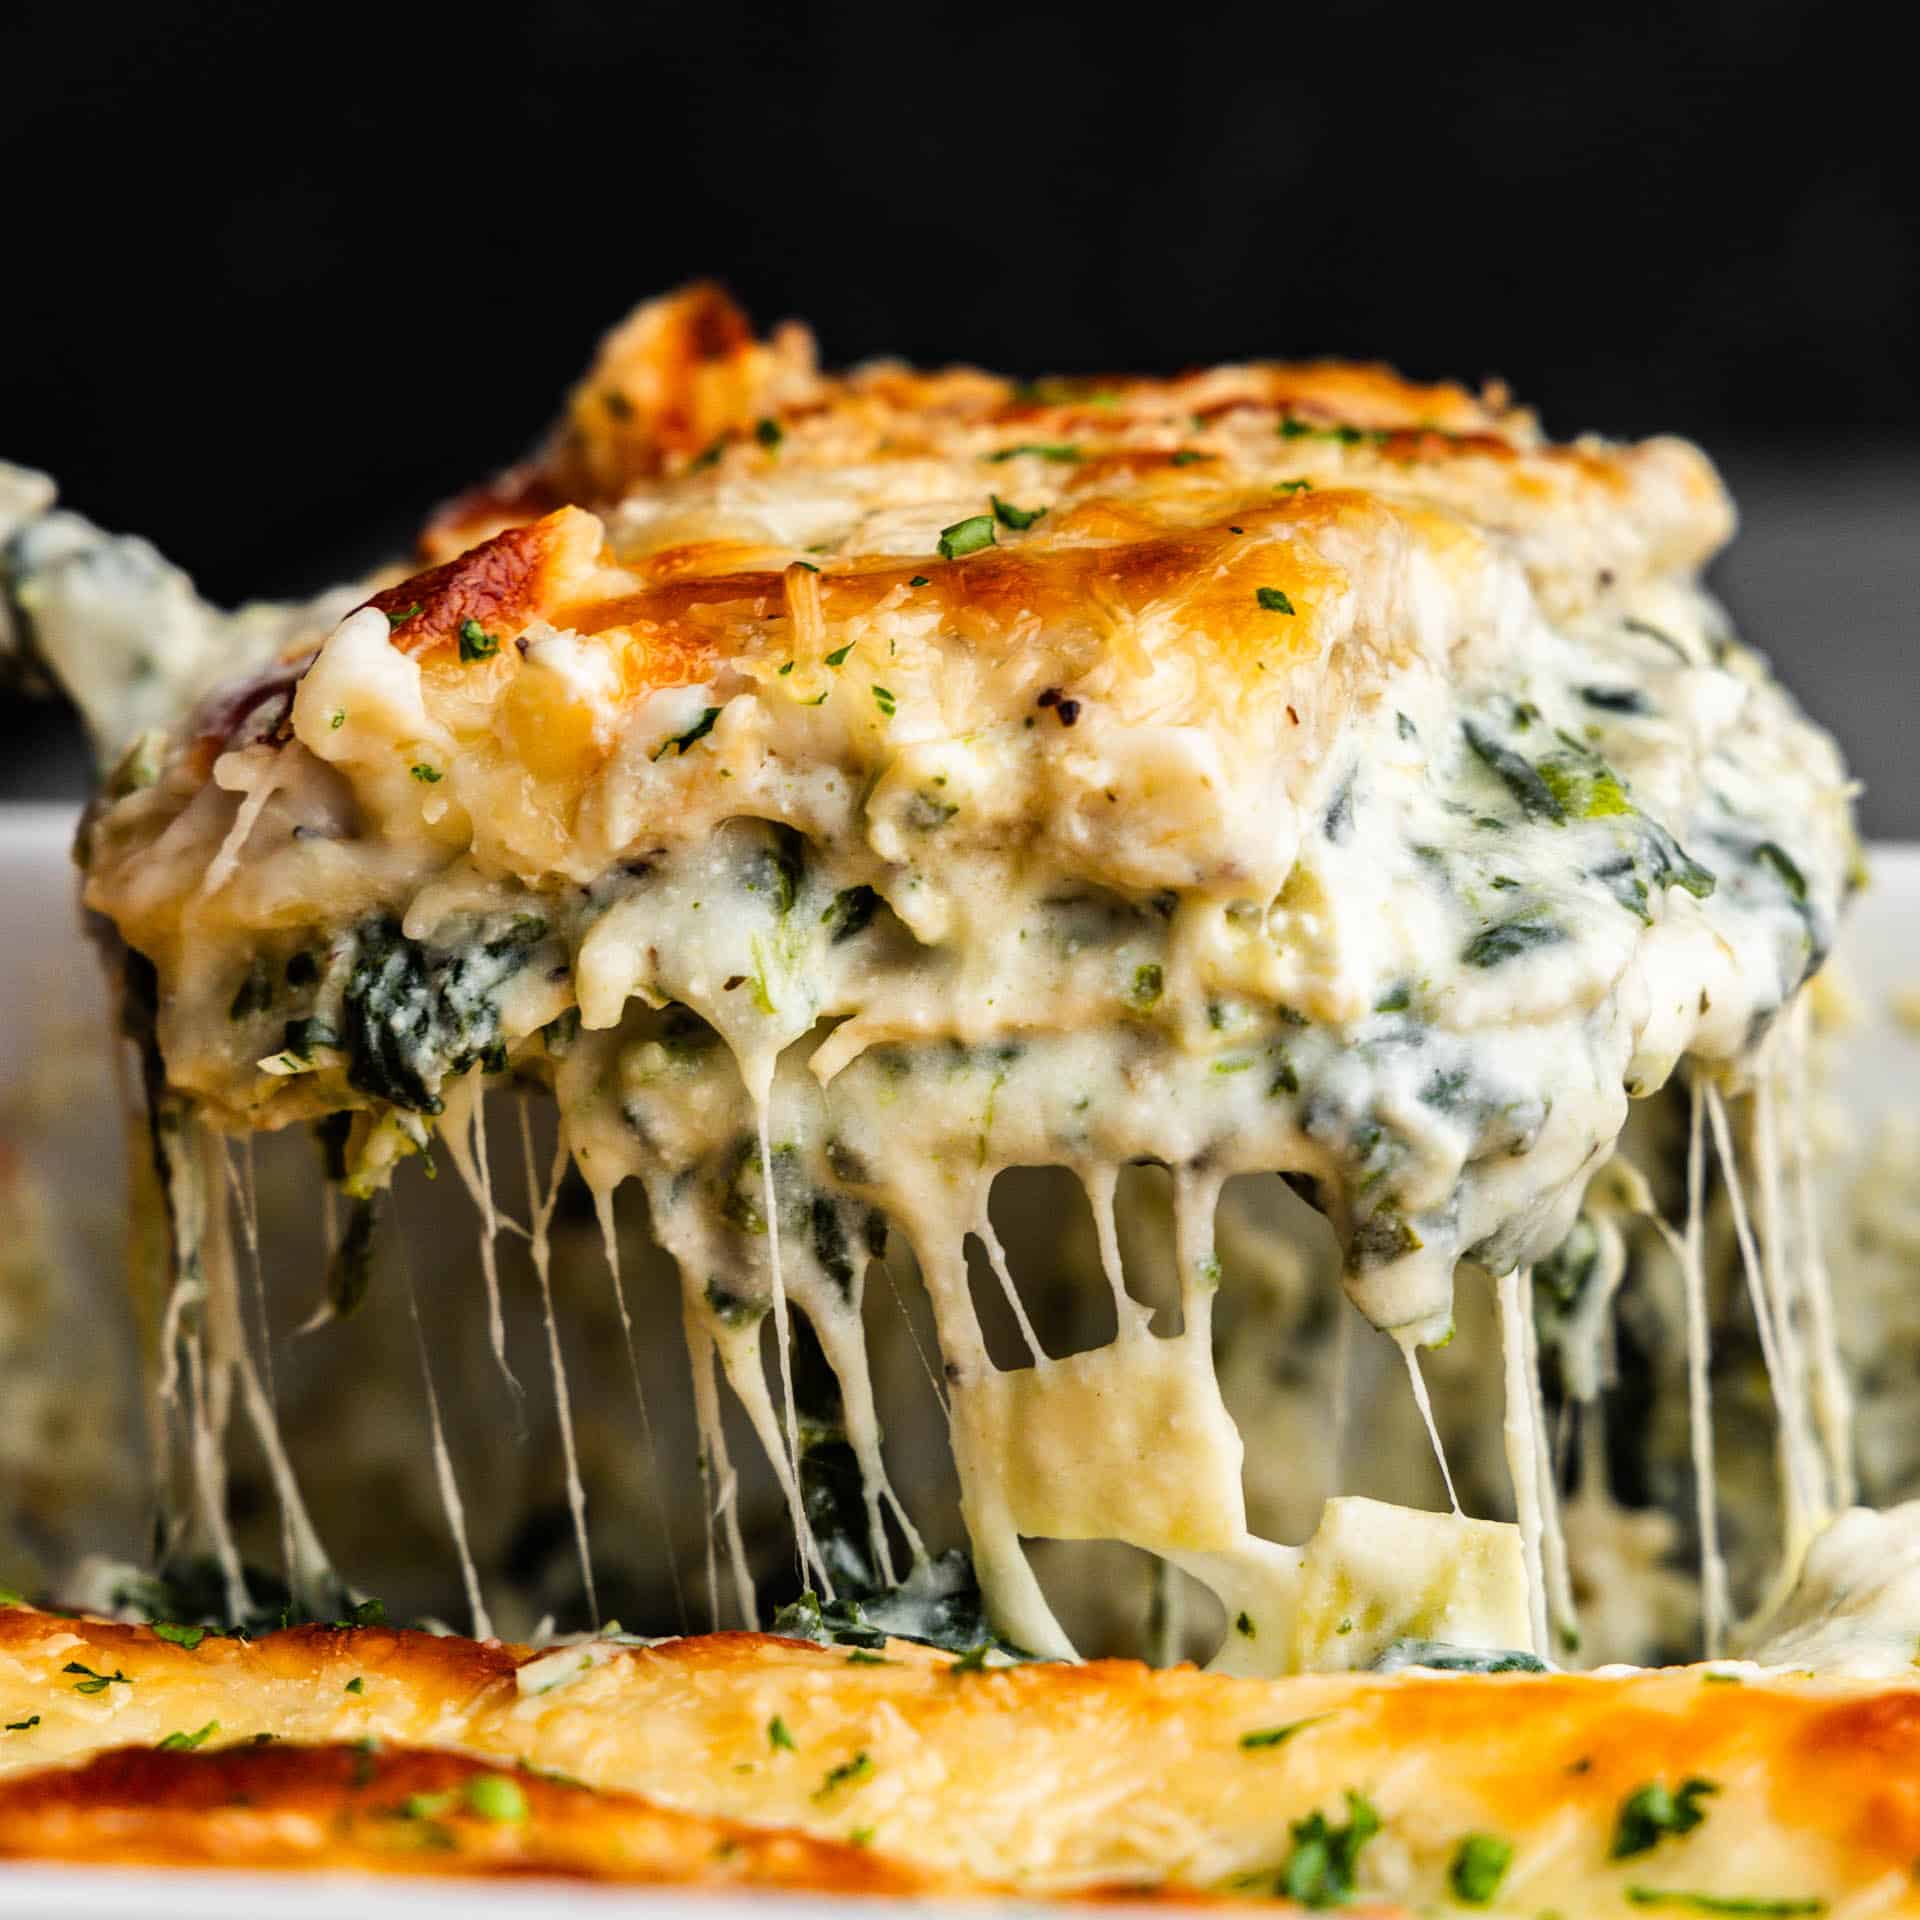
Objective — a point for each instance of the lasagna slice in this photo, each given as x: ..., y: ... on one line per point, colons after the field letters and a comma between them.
x: 836, y: 789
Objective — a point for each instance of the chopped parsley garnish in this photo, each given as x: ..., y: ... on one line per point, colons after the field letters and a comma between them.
x: 1650, y: 1813
x: 401, y: 618
x: 1243, y: 1625
x: 1277, y: 1736
x: 1018, y: 518
x: 92, y: 1682
x: 428, y: 1806
x: 1321, y: 1869
x: 426, y: 775
x: 918, y: 580
x: 23, y: 1726
x: 357, y: 1684
x: 884, y: 700
x: 1061, y: 453
x: 698, y: 731
x: 492, y: 1796
x: 1480, y: 1863
x: 476, y: 643
x: 966, y: 536
x: 1187, y: 457
x: 778, y: 1736
x: 1720, y: 1902
x: 859, y: 1657
x: 1294, y: 486
x: 769, y: 433
x: 1292, y: 429
x: 189, y: 1742
x: 1148, y: 984
x: 846, y: 1774
x: 807, y: 565
x: 974, y: 1660
x: 188, y: 1637
x: 708, y: 456
x: 1273, y: 600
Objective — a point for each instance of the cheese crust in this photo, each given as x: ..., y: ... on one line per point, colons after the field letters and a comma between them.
x: 776, y: 1761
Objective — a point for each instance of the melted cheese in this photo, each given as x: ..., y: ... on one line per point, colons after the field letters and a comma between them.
x: 1277, y: 768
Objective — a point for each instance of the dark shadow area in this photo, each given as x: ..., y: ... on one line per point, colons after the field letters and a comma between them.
x: 277, y: 280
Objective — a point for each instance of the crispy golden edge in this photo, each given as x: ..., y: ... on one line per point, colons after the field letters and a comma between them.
x: 403, y: 1810
x: 1833, y: 1765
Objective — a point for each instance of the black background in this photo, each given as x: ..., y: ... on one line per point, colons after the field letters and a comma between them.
x: 276, y: 277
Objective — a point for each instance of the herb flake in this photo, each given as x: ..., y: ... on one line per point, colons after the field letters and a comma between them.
x: 189, y: 1742
x: 1479, y: 1864
x: 698, y: 731
x: 1018, y: 518
x: 1651, y: 1812
x: 848, y: 1773
x: 1265, y: 1737
x: 476, y: 643
x: 1321, y: 1870
x: 966, y: 536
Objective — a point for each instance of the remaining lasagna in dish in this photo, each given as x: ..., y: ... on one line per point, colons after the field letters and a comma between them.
x: 834, y: 791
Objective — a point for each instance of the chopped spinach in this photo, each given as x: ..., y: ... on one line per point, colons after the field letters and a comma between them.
x: 1771, y: 854
x: 1444, y: 1657
x: 1518, y: 774
x: 1566, y: 1273
x: 1617, y: 699
x: 414, y: 1014
x: 1508, y: 939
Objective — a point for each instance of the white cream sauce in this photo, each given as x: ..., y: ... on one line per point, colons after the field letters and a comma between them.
x: 801, y: 1008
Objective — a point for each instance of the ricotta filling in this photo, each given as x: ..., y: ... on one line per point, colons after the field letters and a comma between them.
x: 796, y: 1049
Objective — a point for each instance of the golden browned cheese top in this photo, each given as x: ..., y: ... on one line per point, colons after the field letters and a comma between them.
x: 883, y: 1771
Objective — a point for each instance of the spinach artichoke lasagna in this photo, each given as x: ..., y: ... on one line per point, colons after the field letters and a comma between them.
x: 834, y: 792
